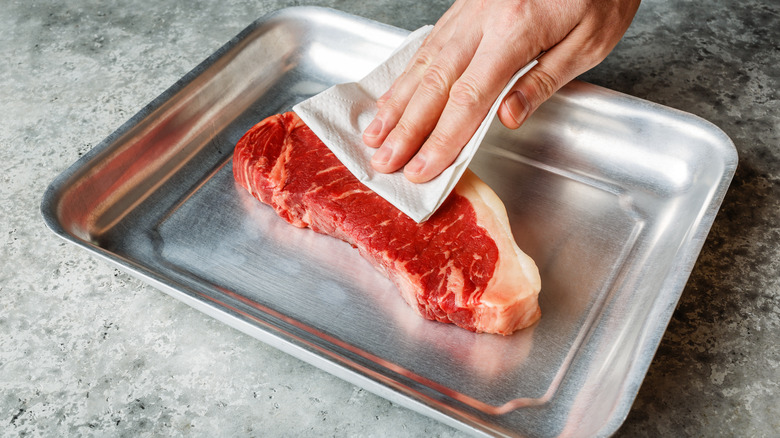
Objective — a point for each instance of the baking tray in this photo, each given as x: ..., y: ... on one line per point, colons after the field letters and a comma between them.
x: 612, y: 196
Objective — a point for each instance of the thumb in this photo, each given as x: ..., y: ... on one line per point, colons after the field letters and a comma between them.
x: 531, y: 90
x: 582, y: 49
x: 556, y: 67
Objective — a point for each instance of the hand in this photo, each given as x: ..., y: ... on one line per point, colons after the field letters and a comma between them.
x: 436, y: 105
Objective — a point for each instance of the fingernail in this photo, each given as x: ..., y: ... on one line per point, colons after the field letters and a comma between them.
x: 382, y: 156
x: 415, y: 166
x: 517, y: 105
x: 374, y: 128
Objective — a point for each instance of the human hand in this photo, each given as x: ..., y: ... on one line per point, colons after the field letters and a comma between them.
x: 436, y: 105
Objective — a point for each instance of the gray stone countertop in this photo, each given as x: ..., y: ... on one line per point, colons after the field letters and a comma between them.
x: 86, y: 349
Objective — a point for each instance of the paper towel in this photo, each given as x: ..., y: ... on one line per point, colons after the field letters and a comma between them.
x: 340, y: 114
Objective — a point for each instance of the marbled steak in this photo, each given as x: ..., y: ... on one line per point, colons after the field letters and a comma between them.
x: 461, y: 266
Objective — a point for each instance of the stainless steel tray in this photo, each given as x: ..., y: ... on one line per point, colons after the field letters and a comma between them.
x: 612, y: 196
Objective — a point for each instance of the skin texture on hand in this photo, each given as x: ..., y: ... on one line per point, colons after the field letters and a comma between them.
x: 436, y: 105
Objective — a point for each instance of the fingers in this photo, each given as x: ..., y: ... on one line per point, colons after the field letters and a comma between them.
x: 469, y: 99
x: 421, y: 114
x: 393, y: 103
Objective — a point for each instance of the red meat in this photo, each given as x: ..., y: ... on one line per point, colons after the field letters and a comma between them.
x: 461, y: 266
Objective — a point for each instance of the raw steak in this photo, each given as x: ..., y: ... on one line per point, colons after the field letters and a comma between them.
x: 461, y: 266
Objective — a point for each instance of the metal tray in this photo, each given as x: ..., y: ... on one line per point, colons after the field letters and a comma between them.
x: 612, y: 196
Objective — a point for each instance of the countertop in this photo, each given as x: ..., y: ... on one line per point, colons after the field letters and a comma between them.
x: 86, y: 349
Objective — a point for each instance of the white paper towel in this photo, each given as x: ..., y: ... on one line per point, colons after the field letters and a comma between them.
x: 340, y: 114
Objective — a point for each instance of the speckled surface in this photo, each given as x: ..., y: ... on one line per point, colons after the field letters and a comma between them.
x: 87, y: 349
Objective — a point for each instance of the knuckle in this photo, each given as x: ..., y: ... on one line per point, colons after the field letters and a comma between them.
x: 440, y: 146
x: 544, y: 83
x: 435, y: 80
x: 406, y: 130
x: 391, y: 109
x: 516, y: 11
x: 466, y: 93
x: 422, y: 60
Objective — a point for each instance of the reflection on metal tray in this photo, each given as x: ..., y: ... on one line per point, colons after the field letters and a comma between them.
x: 611, y: 195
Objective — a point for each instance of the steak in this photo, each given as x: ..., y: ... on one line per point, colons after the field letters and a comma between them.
x: 461, y: 266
